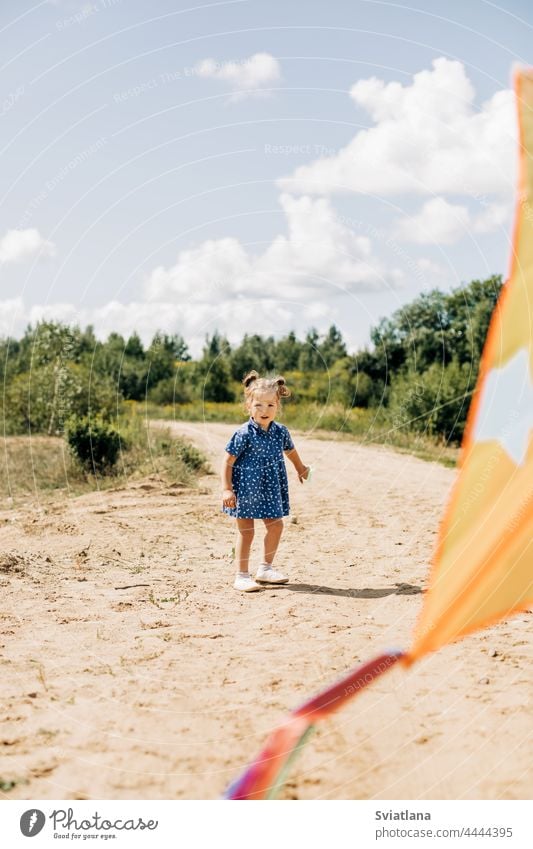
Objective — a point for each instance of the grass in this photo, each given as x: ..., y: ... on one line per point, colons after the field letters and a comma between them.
x: 155, y: 451
x: 37, y: 466
x: 365, y: 426
x: 33, y: 464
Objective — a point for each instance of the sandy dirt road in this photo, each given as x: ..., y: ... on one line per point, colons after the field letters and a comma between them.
x: 131, y: 669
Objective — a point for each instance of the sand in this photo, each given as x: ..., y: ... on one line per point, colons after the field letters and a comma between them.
x: 131, y: 669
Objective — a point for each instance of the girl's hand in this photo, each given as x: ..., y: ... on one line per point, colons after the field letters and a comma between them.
x: 228, y: 498
x: 305, y: 474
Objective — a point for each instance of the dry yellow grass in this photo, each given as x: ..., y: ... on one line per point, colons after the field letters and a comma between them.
x: 35, y: 467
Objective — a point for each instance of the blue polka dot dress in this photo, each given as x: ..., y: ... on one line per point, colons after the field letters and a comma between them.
x: 259, y: 476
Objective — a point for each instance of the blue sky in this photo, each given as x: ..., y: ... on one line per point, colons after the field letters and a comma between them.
x: 251, y: 166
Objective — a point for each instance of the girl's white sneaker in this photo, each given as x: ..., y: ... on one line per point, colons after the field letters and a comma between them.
x: 245, y: 583
x: 267, y: 575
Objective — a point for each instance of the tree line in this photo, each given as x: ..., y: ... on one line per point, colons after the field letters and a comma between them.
x: 421, y: 366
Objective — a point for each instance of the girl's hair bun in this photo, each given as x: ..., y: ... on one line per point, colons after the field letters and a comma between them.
x: 249, y: 378
x: 283, y: 389
x: 253, y: 383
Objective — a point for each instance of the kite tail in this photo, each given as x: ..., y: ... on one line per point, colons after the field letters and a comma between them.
x: 266, y: 774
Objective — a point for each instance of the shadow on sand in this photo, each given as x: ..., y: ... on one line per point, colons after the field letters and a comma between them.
x: 366, y: 592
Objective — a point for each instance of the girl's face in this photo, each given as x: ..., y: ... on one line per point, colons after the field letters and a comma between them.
x: 263, y: 408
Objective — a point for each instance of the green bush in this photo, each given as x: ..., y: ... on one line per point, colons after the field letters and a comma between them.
x: 43, y: 399
x: 434, y: 402
x: 172, y: 390
x: 191, y: 456
x: 94, y: 442
x: 155, y: 450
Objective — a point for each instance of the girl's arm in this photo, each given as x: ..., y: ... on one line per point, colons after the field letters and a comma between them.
x: 301, y: 469
x: 228, y: 496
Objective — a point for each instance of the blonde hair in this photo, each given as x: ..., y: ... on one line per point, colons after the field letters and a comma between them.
x: 253, y: 383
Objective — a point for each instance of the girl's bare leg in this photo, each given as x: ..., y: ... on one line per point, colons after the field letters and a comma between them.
x: 274, y: 529
x: 245, y: 535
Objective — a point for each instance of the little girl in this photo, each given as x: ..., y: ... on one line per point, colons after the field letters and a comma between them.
x: 254, y: 478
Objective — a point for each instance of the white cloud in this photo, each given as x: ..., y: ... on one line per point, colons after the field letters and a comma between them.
x: 18, y: 245
x: 316, y: 309
x: 192, y: 320
x: 195, y: 319
x: 494, y: 217
x: 11, y: 316
x: 66, y: 313
x: 438, y: 222
x: 221, y: 285
x: 319, y: 251
x: 244, y: 77
x: 428, y: 266
x: 442, y: 223
x: 212, y: 269
x: 428, y: 138
x: 319, y: 254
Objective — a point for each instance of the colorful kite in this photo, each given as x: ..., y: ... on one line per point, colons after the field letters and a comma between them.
x: 483, y: 565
